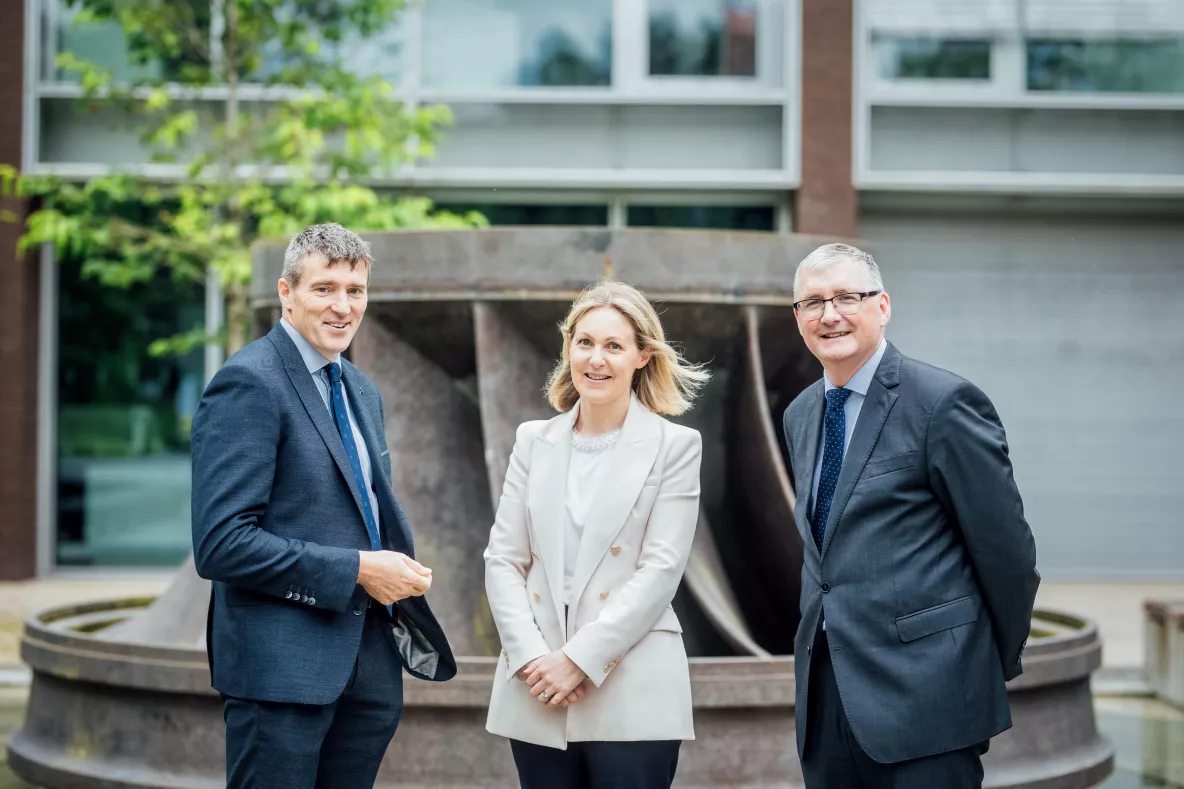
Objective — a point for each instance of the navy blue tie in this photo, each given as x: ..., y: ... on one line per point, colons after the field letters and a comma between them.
x: 834, y: 433
x: 341, y: 417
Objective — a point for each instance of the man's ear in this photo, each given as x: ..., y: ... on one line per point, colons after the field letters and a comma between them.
x: 285, y: 293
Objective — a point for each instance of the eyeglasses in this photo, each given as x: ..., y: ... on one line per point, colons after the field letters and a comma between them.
x: 845, y: 304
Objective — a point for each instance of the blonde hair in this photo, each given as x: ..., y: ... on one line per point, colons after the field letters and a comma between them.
x: 667, y: 385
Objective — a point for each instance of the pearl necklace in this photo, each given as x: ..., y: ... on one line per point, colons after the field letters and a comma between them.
x: 595, y: 444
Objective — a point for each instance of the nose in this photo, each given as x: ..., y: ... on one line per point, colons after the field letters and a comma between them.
x: 830, y: 313
x: 341, y: 303
x: 597, y: 356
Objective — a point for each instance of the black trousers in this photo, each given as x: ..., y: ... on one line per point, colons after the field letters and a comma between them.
x: 646, y: 764
x: 335, y: 746
x: 834, y: 760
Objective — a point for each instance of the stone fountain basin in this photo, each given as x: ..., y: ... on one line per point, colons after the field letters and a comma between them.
x: 126, y: 715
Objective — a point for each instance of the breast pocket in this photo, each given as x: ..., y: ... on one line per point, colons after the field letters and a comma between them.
x: 879, y: 468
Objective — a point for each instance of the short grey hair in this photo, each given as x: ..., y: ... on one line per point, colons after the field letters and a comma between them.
x: 331, y: 240
x: 829, y: 254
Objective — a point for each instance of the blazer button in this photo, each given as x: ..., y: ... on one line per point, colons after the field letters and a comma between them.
x: 304, y: 598
x: 312, y: 601
x: 535, y: 555
x: 615, y: 550
x: 825, y: 588
x: 604, y: 595
x: 537, y: 599
x: 288, y: 596
x: 358, y: 611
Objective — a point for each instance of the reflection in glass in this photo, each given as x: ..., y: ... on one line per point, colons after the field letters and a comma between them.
x: 508, y: 43
x: 106, y: 44
x: 738, y: 217
x: 1106, y: 66
x: 931, y: 58
x: 556, y: 215
x: 702, y: 37
x: 123, y: 421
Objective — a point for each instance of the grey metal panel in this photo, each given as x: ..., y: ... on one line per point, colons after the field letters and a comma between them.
x: 1026, y: 140
x: 1073, y: 327
x: 940, y: 16
x: 1106, y: 17
x: 599, y: 136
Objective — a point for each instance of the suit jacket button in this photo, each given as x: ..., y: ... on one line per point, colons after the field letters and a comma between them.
x: 358, y: 611
x: 312, y: 601
x: 615, y: 550
x: 535, y: 555
x: 304, y: 598
x: 604, y: 595
x: 288, y: 596
x: 537, y: 599
x: 825, y: 588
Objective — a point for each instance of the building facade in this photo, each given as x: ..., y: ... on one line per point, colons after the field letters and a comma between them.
x: 1016, y: 165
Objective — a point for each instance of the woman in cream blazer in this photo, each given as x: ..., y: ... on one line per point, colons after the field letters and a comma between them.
x: 592, y: 534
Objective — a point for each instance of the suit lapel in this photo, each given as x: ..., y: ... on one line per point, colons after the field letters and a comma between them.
x: 628, y: 467
x: 807, y: 436
x: 302, y: 382
x: 548, y: 487
x: 368, y: 425
x: 881, y: 396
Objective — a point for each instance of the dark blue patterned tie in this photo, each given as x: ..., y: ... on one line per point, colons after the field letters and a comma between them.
x: 341, y: 417
x: 834, y: 433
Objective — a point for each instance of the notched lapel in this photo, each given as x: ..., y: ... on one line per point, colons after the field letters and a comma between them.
x: 807, y: 434
x: 318, y: 412
x: 628, y: 467
x: 872, y: 417
x: 548, y: 486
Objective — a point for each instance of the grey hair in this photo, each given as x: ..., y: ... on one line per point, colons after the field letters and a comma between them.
x: 829, y: 254
x: 331, y: 240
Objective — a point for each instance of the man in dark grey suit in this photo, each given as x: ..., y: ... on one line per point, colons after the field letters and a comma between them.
x: 317, y: 602
x: 919, y: 574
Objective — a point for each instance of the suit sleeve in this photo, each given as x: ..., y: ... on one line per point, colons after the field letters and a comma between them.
x: 507, y: 559
x: 971, y: 474
x: 236, y: 435
x: 665, y: 550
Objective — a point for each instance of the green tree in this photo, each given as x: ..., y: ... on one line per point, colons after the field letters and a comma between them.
x: 269, y: 129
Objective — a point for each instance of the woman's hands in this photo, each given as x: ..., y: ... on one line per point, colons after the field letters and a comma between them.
x: 558, y: 677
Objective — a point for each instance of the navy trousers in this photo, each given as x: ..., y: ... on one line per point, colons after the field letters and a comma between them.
x: 597, y: 765
x: 334, y: 746
x: 833, y: 757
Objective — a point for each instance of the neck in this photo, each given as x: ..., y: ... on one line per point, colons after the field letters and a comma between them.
x: 841, y: 373
x: 596, y: 419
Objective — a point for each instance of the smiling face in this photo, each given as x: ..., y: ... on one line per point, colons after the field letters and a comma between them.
x: 604, y: 356
x: 842, y: 342
x: 327, y: 304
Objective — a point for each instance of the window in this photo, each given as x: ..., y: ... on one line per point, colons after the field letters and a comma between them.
x: 124, y: 420
x: 703, y: 38
x: 556, y: 215
x: 1106, y: 66
x: 899, y: 57
x: 509, y: 43
x: 106, y: 44
x: 703, y: 216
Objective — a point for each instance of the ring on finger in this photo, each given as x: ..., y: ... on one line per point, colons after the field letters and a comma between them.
x: 545, y: 695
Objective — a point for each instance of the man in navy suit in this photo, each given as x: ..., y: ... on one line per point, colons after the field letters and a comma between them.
x: 317, y: 602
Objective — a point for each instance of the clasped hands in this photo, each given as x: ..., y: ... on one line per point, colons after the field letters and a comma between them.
x: 555, y: 675
x: 389, y: 576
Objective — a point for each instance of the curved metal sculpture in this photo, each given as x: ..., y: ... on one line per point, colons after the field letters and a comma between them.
x: 460, y: 335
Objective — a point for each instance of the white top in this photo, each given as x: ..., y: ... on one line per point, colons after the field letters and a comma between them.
x: 585, y: 469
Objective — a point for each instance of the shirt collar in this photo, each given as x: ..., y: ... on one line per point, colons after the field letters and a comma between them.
x: 863, y: 376
x: 312, y: 357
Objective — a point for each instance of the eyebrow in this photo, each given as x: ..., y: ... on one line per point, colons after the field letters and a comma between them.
x: 316, y: 283
x: 612, y: 338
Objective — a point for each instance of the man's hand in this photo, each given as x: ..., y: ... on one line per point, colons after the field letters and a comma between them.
x: 557, y: 676
x: 389, y: 577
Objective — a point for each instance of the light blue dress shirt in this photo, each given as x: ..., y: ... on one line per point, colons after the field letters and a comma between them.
x: 858, y: 385
x: 318, y: 368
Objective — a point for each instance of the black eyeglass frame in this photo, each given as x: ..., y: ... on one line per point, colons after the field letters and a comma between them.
x: 797, y: 305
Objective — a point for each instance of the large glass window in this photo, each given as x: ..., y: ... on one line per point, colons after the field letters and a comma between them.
x: 1106, y: 66
x: 556, y: 215
x: 123, y: 421
x: 899, y: 57
x: 106, y: 44
x: 508, y: 43
x: 740, y: 217
x: 703, y: 37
